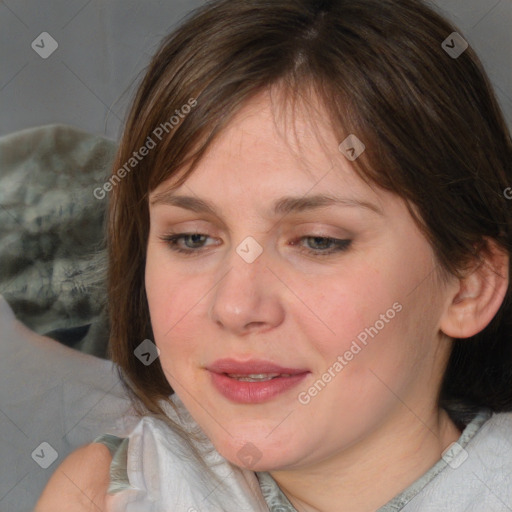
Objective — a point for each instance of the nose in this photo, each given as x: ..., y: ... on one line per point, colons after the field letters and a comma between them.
x: 248, y: 297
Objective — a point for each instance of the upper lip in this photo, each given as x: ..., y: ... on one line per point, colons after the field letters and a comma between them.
x: 253, y: 366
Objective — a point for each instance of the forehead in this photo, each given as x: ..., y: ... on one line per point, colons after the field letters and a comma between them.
x: 271, y: 127
x: 271, y: 148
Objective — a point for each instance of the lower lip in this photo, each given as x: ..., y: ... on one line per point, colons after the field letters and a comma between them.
x: 254, y: 392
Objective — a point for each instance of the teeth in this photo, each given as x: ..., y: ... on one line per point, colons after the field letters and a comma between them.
x: 257, y: 377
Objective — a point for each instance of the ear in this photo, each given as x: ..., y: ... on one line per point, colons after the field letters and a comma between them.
x: 477, y: 297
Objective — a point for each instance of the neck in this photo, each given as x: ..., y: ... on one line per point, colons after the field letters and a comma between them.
x: 364, y: 478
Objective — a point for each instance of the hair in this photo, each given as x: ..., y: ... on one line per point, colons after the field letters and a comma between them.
x: 433, y: 130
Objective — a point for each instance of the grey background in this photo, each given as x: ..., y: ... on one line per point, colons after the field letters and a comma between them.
x: 104, y: 46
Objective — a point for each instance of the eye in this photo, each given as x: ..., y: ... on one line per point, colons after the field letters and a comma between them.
x: 194, y: 243
x: 197, y: 239
x: 324, y: 245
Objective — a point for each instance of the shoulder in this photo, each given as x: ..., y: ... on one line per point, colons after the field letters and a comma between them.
x: 496, y: 438
x: 497, y: 429
x: 80, y: 482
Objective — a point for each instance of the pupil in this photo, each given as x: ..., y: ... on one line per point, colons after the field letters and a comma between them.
x: 322, y: 242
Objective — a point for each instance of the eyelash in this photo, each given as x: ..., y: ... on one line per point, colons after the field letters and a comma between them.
x: 341, y: 245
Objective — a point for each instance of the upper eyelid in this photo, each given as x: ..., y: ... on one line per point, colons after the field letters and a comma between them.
x: 311, y: 232
x: 180, y: 226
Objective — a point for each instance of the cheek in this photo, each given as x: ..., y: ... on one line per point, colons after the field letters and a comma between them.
x: 350, y: 306
x: 172, y: 299
x: 373, y: 330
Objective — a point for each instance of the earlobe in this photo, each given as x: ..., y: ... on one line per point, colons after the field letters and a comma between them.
x: 479, y: 295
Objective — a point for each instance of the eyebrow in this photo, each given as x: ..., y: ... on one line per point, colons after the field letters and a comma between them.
x: 282, y: 206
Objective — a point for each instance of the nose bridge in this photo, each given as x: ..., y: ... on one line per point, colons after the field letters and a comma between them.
x: 245, y: 294
x: 247, y: 261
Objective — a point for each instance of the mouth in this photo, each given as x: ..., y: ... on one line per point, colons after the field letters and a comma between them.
x: 253, y: 368
x: 257, y: 377
x: 254, y: 381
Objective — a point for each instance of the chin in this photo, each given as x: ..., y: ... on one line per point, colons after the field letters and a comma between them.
x: 255, y: 453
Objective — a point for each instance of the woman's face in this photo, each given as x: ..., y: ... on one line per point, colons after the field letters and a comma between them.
x: 341, y: 338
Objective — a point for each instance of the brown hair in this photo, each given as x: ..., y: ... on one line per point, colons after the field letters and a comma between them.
x: 432, y: 127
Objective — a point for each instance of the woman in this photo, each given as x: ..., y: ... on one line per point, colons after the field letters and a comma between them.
x: 309, y: 262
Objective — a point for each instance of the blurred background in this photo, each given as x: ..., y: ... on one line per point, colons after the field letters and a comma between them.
x: 104, y: 45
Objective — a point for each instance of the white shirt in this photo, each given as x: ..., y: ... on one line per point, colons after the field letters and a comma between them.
x: 154, y: 470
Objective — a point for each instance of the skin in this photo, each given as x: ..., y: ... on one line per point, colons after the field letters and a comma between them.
x: 376, y: 427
